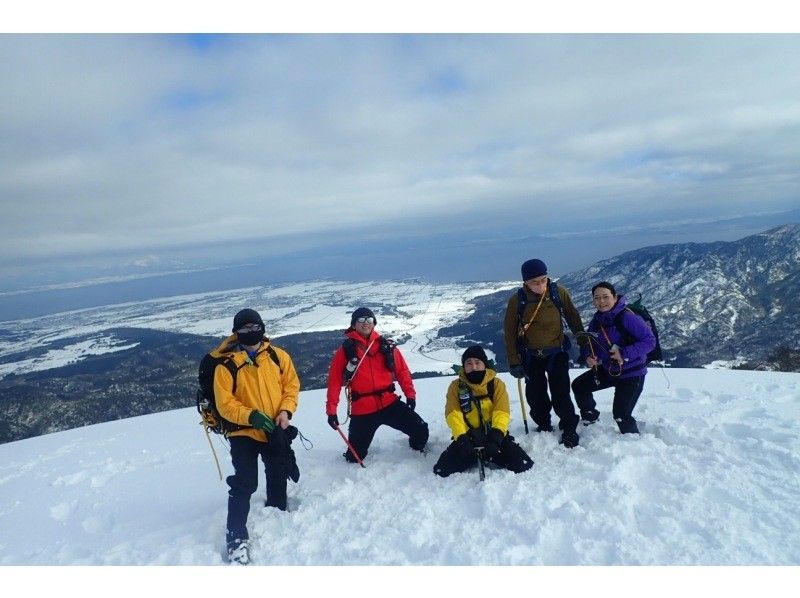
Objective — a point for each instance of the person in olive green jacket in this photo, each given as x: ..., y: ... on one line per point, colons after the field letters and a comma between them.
x: 261, y: 398
x: 537, y: 348
x: 478, y: 413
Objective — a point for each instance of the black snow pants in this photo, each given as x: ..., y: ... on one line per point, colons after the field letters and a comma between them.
x: 399, y: 416
x: 279, y: 465
x: 626, y: 394
x: 455, y: 459
x: 553, y: 370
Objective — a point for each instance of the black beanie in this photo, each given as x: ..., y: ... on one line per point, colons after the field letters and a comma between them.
x: 362, y: 312
x: 246, y: 316
x: 477, y: 352
x: 533, y: 269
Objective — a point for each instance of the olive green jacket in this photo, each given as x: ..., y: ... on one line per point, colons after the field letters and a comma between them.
x: 545, y: 330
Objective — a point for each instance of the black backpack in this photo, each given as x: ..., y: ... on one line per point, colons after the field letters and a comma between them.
x: 207, y: 404
x: 640, y: 310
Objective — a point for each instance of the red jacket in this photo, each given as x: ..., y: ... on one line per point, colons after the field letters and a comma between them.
x: 372, y: 375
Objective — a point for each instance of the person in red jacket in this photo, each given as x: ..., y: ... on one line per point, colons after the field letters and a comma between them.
x: 369, y: 365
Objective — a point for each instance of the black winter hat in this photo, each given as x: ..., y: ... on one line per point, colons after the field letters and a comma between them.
x: 533, y: 269
x: 477, y: 352
x: 362, y: 312
x: 246, y: 316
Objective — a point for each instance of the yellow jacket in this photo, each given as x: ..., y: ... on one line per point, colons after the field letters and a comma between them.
x: 496, y: 412
x: 259, y: 385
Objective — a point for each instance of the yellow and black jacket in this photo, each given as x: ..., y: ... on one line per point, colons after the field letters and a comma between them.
x: 496, y: 411
x: 259, y: 385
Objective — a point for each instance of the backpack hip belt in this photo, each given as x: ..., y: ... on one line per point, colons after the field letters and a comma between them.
x: 546, y: 352
x: 380, y: 391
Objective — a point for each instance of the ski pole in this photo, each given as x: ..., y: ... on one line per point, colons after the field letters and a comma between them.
x: 521, y: 404
x: 350, y: 446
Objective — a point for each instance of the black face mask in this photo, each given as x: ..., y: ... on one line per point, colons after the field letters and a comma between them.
x: 475, y: 377
x: 250, y: 339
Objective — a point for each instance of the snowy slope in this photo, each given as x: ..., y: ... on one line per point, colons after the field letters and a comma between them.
x: 713, y: 480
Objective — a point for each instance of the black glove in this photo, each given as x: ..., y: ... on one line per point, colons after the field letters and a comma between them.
x: 463, y: 447
x: 477, y: 437
x: 333, y: 421
x: 411, y: 402
x: 518, y: 371
x: 291, y: 432
x: 493, y: 441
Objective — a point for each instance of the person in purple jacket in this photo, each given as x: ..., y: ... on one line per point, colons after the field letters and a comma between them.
x: 616, y: 359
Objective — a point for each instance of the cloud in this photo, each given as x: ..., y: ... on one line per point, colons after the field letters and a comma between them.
x: 123, y: 143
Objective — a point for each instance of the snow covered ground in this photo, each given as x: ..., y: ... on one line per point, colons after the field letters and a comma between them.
x: 713, y: 480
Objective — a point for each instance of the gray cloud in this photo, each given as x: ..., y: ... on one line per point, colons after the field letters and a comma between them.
x: 128, y: 143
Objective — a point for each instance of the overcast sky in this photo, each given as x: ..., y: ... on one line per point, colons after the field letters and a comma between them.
x: 208, y: 146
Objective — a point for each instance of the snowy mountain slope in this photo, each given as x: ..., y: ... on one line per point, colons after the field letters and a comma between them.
x: 712, y: 480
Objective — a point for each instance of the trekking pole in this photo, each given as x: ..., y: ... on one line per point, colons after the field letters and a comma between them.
x: 522, y: 404
x: 350, y: 446
x: 213, y: 452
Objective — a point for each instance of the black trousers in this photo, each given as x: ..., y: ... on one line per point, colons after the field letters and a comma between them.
x: 626, y: 394
x: 552, y: 370
x: 244, y: 454
x: 511, y: 456
x: 398, y: 415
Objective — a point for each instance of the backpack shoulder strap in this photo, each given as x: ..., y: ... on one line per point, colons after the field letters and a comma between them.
x: 274, y: 356
x: 555, y: 297
x: 522, y: 301
x: 619, y: 324
x: 490, y: 389
x: 349, y: 346
x: 387, y: 347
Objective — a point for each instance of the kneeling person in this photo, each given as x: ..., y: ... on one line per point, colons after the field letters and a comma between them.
x: 478, y: 413
x: 370, y: 372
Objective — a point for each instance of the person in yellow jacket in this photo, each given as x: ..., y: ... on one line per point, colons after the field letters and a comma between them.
x: 261, y: 398
x: 478, y: 413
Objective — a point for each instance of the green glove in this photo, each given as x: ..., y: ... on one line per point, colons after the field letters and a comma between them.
x: 261, y: 422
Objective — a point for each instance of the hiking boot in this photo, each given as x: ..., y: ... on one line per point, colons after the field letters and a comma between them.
x: 239, y: 553
x: 348, y: 456
x: 569, y: 439
x: 589, y: 416
x: 545, y: 428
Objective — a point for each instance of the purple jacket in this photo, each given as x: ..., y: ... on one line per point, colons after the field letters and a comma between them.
x: 634, y: 353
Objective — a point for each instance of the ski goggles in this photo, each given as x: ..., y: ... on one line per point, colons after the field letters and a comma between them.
x: 367, y: 319
x: 250, y: 328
